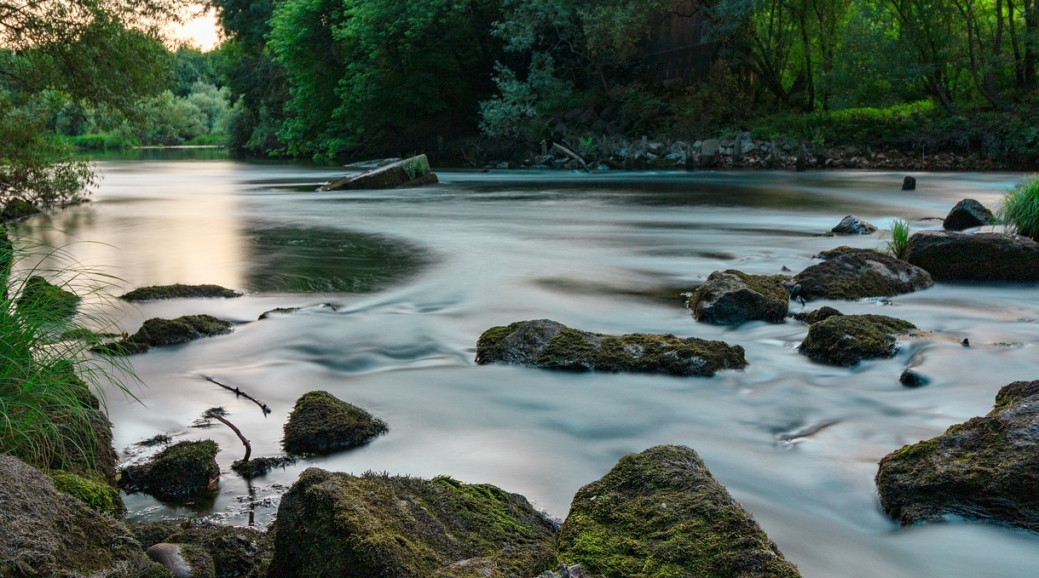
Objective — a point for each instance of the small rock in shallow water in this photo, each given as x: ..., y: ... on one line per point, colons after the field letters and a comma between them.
x: 909, y: 184
x: 910, y: 378
x: 853, y: 226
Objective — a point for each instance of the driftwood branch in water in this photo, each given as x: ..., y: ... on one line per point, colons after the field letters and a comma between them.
x: 239, y: 392
x: 238, y: 432
x: 566, y: 151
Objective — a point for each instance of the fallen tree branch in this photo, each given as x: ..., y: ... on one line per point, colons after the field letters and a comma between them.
x: 566, y: 151
x: 239, y: 392
x: 248, y: 447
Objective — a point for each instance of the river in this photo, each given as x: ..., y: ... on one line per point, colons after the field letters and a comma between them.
x: 396, y: 286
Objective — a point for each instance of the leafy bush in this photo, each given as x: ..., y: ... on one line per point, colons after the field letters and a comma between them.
x: 1019, y: 209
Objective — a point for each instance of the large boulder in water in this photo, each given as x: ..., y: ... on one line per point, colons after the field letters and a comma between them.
x: 967, y: 214
x: 734, y: 297
x: 848, y: 273
x: 321, y: 423
x: 848, y: 339
x: 410, y: 172
x: 852, y: 225
x: 952, y: 256
x: 660, y: 514
x: 550, y: 345
x: 181, y: 470
x: 335, y: 524
x: 47, y: 533
x: 986, y: 468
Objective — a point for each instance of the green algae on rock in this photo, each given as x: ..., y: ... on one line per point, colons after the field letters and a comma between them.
x: 817, y: 315
x: 986, y: 468
x: 848, y: 339
x: 660, y: 514
x: 181, y: 470
x: 47, y: 298
x: 733, y: 297
x: 178, y: 291
x: 336, y: 524
x: 18, y: 208
x: 47, y: 533
x: 321, y: 423
x: 850, y: 274
x: 157, y: 332
x: 547, y: 344
x: 98, y: 496
x: 235, y: 551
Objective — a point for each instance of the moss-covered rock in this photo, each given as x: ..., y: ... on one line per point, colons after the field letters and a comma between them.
x: 181, y: 470
x: 660, y: 514
x: 18, y: 208
x: 178, y: 291
x: 183, y: 560
x: 550, y: 345
x: 321, y: 423
x: 967, y: 214
x: 816, y: 315
x: 158, y: 332
x: 47, y: 298
x: 410, y: 172
x: 234, y: 551
x: 952, y: 256
x: 257, y: 467
x: 848, y: 339
x: 97, y: 495
x: 734, y: 297
x: 986, y: 468
x: 44, y: 532
x: 333, y: 524
x: 848, y: 273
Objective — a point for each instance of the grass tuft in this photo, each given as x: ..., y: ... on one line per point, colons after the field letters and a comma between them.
x: 898, y: 246
x: 1019, y: 209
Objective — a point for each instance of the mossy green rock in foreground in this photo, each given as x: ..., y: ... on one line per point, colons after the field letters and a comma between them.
x: 334, y: 524
x: 321, y: 423
x: 550, y: 345
x: 234, y: 550
x: 157, y: 332
x: 47, y: 533
x: 40, y: 295
x: 181, y: 470
x: 660, y: 514
x: 733, y: 297
x: 849, y: 274
x: 986, y: 468
x: 178, y: 291
x: 848, y: 339
x: 951, y: 256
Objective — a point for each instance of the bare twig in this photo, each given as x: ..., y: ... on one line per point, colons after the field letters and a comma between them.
x: 248, y: 447
x: 239, y: 392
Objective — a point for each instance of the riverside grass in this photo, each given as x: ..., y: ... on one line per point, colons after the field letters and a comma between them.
x: 1019, y: 209
x: 898, y: 246
x: 48, y: 416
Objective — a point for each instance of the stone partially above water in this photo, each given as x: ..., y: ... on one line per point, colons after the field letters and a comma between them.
x: 734, y: 297
x: 547, y: 344
x: 952, y: 256
x: 410, y: 172
x: 849, y: 274
x: 158, y: 332
x: 851, y: 225
x: 986, y: 468
x: 337, y: 524
x: 181, y: 470
x: 848, y: 339
x: 967, y: 214
x: 660, y: 514
x: 178, y: 291
x: 321, y: 423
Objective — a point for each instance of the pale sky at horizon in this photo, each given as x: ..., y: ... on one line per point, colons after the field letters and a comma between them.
x: 200, y: 31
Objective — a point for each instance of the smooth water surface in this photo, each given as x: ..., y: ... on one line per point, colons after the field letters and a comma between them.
x: 413, y: 277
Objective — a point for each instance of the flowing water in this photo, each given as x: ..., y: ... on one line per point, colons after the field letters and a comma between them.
x: 396, y: 286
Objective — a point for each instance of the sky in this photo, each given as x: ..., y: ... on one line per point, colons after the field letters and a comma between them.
x: 200, y: 31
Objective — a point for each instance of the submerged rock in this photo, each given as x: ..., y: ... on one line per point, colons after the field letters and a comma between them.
x: 157, y: 332
x: 181, y: 470
x: 853, y: 226
x: 660, y: 514
x: 178, y: 291
x: 848, y: 273
x: 952, y: 256
x: 734, y: 297
x: 967, y: 214
x: 320, y: 423
x: 47, y: 533
x: 46, y: 298
x: 550, y: 345
x: 410, y: 172
x: 334, y: 524
x: 848, y: 339
x: 986, y: 468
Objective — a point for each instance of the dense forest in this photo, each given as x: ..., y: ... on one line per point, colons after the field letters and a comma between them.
x: 467, y: 80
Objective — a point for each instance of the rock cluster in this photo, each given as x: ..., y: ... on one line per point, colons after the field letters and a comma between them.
x: 550, y: 345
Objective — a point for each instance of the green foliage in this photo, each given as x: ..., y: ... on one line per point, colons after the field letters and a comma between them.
x: 898, y: 246
x: 1019, y: 209
x: 522, y: 107
x: 99, y: 496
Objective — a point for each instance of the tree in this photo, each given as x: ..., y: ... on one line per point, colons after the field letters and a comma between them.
x: 105, y: 53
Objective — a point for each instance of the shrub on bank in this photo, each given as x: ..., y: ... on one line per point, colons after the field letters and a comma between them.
x: 1020, y: 209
